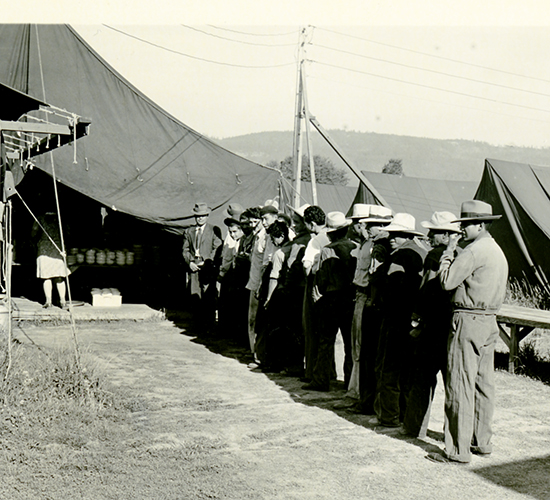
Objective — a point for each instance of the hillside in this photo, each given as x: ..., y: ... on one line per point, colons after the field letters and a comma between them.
x: 422, y: 157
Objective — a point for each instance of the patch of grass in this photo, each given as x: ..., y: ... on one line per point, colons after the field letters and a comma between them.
x: 532, y: 363
x: 52, y: 415
x: 522, y: 293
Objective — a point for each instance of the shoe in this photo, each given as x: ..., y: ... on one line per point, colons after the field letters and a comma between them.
x: 307, y: 380
x: 374, y: 421
x: 439, y: 458
x: 346, y: 405
x: 406, y: 433
x: 357, y: 409
x: 315, y: 387
x: 253, y: 365
x: 47, y: 305
x: 477, y: 451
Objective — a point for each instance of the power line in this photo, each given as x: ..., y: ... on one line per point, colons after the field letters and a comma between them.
x: 253, y: 34
x: 435, y: 56
x: 240, y: 41
x: 432, y: 71
x: 430, y: 87
x: 195, y: 57
x: 427, y: 100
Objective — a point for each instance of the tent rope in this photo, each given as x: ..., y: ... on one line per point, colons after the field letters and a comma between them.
x: 63, y: 253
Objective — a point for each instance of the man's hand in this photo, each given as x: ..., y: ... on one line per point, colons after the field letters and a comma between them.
x: 453, y: 241
x: 194, y: 268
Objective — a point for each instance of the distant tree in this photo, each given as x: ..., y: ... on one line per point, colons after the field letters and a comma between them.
x: 325, y: 171
x: 394, y: 167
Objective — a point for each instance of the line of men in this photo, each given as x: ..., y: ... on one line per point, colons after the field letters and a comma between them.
x: 288, y: 285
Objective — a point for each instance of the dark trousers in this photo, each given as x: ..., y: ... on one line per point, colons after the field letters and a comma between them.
x: 393, y: 366
x: 368, y: 377
x: 335, y: 311
x: 310, y: 328
x: 430, y: 358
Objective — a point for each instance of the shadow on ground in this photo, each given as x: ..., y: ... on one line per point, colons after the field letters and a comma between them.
x: 230, y: 348
x: 528, y: 477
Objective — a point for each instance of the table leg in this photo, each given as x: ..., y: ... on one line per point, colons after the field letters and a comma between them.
x: 514, y: 348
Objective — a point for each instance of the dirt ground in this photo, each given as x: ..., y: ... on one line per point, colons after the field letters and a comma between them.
x: 203, y: 425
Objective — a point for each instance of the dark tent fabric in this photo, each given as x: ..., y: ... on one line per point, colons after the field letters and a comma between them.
x: 415, y: 195
x: 330, y: 198
x: 521, y: 193
x: 16, y: 103
x: 137, y: 159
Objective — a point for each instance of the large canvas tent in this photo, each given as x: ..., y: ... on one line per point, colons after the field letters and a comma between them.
x: 521, y: 192
x: 137, y: 159
x: 415, y: 195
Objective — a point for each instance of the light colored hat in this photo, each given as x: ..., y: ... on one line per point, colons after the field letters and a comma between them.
x: 360, y: 211
x: 476, y: 210
x: 234, y: 210
x: 300, y: 210
x: 378, y: 213
x: 442, y: 221
x: 336, y: 220
x: 403, y: 223
x: 201, y: 209
x: 272, y: 203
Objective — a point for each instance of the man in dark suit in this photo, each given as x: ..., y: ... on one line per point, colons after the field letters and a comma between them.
x: 200, y: 245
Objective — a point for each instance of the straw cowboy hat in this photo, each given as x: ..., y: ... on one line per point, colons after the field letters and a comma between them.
x: 403, y: 223
x: 477, y: 211
x: 300, y: 210
x: 442, y: 221
x: 379, y: 214
x: 201, y: 209
x: 360, y: 211
x: 336, y: 220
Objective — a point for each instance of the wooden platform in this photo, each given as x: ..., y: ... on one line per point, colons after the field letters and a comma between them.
x: 27, y: 310
x: 515, y: 323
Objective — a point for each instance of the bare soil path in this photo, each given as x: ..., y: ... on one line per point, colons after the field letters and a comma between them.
x: 203, y: 425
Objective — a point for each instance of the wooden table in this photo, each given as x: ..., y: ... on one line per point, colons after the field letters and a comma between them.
x: 515, y: 323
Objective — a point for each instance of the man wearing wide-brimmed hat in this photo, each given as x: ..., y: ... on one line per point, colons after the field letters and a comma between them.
x: 397, y: 302
x: 477, y: 277
x: 333, y: 282
x: 368, y: 221
x: 430, y: 325
x: 200, y: 243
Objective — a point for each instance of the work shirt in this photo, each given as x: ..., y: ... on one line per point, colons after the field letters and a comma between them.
x: 229, y: 250
x: 313, y: 251
x: 336, y: 267
x: 401, y: 285
x: 362, y: 270
x: 478, y: 275
x: 256, y: 260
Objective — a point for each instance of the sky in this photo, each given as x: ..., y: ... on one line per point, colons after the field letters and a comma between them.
x: 468, y: 70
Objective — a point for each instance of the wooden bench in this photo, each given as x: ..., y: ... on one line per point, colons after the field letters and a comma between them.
x: 515, y: 323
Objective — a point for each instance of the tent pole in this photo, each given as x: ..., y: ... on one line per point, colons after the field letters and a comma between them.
x: 352, y: 167
x: 297, y: 153
x: 308, y: 135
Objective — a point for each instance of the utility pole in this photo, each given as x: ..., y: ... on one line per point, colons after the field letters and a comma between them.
x: 302, y: 113
x: 306, y: 116
x: 297, y: 146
